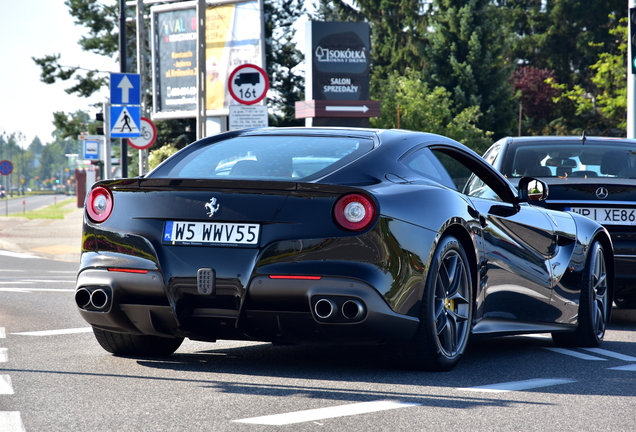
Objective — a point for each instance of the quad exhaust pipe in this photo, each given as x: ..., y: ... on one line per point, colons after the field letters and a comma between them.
x: 353, y: 309
x: 97, y: 299
x: 325, y: 308
x: 328, y: 310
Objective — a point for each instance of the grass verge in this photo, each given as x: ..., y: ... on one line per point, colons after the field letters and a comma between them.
x: 54, y: 211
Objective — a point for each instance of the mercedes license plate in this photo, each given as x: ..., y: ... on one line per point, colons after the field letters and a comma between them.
x: 607, y: 216
x: 205, y: 233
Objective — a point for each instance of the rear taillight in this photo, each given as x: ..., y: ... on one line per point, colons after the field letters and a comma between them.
x: 99, y: 204
x: 354, y: 212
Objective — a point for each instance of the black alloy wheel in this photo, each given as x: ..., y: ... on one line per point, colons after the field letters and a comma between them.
x: 446, y: 312
x: 594, y: 304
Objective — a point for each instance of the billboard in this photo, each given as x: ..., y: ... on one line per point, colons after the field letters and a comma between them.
x: 233, y: 36
x: 174, y: 50
x: 339, y: 61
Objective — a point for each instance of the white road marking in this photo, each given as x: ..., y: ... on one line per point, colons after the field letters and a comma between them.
x: 631, y: 368
x: 56, y: 332
x: 12, y: 270
x: 47, y: 281
x: 326, y: 413
x: 3, y: 355
x: 3, y: 334
x: 28, y: 290
x: 574, y: 354
x: 612, y: 354
x: 5, y: 385
x: 16, y: 254
x: 10, y: 421
x: 519, y: 385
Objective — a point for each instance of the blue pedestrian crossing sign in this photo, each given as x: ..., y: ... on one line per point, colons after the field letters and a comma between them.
x: 125, y: 89
x: 125, y: 121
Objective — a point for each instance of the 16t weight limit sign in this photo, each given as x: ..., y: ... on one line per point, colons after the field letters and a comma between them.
x: 248, y: 84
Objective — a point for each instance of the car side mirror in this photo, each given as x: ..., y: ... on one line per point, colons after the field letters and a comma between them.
x: 532, y: 189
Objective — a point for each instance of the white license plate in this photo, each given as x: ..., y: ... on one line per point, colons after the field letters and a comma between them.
x: 201, y: 233
x: 607, y: 216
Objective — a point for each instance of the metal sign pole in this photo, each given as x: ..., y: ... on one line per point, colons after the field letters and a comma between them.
x: 141, y: 70
x: 107, y: 150
x: 631, y: 85
x: 201, y: 108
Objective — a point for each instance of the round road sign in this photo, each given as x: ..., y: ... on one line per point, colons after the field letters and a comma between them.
x: 248, y: 84
x: 147, y: 136
x: 6, y: 167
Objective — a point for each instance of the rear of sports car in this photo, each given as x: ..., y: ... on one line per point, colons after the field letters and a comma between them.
x: 227, y: 242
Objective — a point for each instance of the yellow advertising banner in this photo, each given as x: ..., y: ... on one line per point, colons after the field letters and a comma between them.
x: 233, y: 35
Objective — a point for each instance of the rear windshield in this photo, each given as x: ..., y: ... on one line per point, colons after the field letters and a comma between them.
x: 267, y: 158
x: 561, y: 159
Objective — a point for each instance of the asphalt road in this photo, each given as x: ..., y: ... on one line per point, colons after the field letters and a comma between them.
x: 55, y: 377
x: 19, y: 204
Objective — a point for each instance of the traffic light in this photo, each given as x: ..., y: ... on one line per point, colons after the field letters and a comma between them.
x: 100, y: 118
x: 632, y: 38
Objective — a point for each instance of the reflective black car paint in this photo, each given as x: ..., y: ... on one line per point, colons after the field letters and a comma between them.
x: 526, y: 267
x: 567, y: 192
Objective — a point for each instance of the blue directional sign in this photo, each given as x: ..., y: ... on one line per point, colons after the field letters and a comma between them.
x: 91, y: 149
x: 125, y: 89
x: 125, y: 121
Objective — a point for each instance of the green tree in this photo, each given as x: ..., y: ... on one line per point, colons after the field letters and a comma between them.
x: 283, y: 59
x: 565, y: 36
x: 602, y: 103
x: 70, y: 125
x: 410, y: 103
x: 466, y: 54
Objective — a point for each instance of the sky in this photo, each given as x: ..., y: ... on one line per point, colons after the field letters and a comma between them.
x: 35, y: 28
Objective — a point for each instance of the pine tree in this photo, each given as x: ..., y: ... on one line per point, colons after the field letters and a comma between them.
x: 566, y: 36
x: 466, y: 53
x: 282, y: 58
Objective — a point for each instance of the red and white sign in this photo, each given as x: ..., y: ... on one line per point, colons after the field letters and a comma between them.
x: 248, y: 84
x: 6, y: 167
x: 147, y: 135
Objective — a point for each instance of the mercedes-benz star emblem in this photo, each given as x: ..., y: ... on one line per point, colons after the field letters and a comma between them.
x: 601, y: 193
x: 212, y: 207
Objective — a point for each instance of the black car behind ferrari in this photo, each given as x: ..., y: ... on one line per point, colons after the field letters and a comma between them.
x: 347, y: 235
x: 592, y: 176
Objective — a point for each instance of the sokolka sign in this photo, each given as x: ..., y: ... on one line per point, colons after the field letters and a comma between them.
x: 338, y: 82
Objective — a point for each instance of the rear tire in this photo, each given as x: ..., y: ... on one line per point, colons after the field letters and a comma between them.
x: 594, y: 304
x: 446, y: 312
x: 124, y: 344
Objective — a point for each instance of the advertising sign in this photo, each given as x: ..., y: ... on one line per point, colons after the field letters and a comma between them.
x: 233, y: 36
x: 174, y: 59
x: 339, y: 61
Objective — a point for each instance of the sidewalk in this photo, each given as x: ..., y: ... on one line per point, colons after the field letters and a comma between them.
x: 58, y: 239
